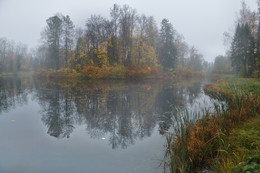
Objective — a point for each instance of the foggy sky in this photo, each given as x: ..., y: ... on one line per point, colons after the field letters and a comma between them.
x: 201, y: 22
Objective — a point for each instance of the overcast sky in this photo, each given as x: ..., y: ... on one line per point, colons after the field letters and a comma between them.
x: 201, y: 22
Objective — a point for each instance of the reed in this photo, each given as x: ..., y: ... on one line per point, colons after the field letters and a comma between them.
x: 205, y: 140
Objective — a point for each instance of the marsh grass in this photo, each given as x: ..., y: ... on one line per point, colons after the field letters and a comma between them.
x: 205, y: 140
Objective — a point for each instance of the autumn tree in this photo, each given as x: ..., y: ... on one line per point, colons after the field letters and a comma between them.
x: 144, y: 44
x: 80, y: 55
x: 102, y: 54
x: 126, y: 38
x: 96, y: 33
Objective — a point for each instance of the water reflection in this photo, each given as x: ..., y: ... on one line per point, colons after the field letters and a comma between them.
x: 13, y: 92
x: 122, y: 111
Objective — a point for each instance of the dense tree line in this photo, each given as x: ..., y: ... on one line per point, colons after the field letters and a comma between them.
x: 244, y: 52
x: 14, y: 57
x: 126, y: 38
x: 222, y: 65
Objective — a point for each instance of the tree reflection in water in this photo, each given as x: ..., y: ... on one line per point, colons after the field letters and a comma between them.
x: 13, y: 92
x: 123, y: 111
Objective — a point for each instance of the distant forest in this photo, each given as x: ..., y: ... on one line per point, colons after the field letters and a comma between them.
x: 128, y: 39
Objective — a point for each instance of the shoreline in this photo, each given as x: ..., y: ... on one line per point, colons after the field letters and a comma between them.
x: 198, y: 144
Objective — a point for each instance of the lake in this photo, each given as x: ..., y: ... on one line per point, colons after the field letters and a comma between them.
x: 92, y: 126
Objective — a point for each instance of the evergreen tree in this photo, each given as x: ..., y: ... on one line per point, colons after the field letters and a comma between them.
x: 168, y: 51
x: 53, y: 34
x: 242, y: 50
x: 235, y: 60
x: 257, y: 57
x: 68, y: 33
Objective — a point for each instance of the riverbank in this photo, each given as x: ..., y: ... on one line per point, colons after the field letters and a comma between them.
x: 240, y: 152
x: 205, y: 142
x: 119, y: 73
x: 105, y: 72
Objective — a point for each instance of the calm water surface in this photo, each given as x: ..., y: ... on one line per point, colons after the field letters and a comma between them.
x: 93, y: 127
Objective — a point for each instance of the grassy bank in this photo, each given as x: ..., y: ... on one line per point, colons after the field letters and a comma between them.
x: 208, y: 141
x: 240, y: 151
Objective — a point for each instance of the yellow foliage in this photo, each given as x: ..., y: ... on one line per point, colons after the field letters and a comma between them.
x: 80, y: 57
x: 102, y: 54
x: 146, y: 52
x: 149, y: 55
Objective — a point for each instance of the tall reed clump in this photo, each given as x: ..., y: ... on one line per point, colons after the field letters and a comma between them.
x: 178, y: 146
x: 175, y: 157
x: 196, y: 144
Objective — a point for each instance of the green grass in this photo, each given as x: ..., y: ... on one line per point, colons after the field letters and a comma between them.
x: 241, y: 84
x: 240, y: 152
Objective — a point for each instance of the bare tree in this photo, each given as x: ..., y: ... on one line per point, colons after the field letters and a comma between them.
x: 127, y: 23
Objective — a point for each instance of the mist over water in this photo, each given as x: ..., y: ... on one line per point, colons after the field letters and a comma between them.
x: 72, y: 126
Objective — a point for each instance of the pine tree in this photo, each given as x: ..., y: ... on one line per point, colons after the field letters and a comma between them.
x: 168, y: 51
x: 68, y: 33
x: 257, y: 57
x: 53, y: 32
x: 242, y: 50
x: 234, y: 51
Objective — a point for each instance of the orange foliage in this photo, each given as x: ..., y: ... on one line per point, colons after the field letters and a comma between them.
x: 129, y: 72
